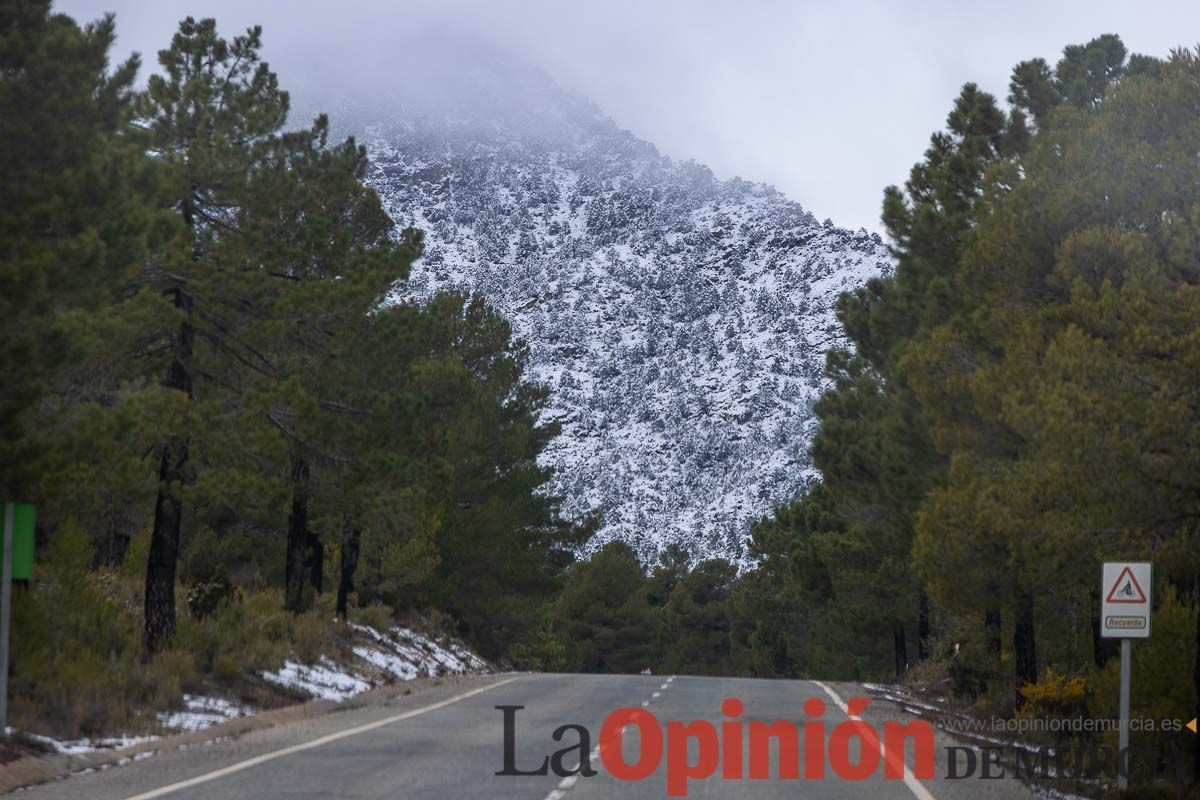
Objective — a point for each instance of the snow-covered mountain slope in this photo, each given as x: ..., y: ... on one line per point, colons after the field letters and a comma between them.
x: 680, y: 321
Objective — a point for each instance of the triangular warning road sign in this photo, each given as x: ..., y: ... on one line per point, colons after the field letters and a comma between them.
x: 1126, y: 589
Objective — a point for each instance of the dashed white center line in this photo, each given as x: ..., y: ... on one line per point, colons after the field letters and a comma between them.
x: 568, y: 783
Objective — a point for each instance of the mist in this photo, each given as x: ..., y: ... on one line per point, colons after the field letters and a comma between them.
x: 828, y: 102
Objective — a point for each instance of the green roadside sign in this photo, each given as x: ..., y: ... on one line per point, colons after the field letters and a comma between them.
x: 22, y: 542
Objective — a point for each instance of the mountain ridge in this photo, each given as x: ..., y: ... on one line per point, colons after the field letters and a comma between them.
x: 679, y: 320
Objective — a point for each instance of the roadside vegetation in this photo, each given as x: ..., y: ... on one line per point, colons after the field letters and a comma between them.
x: 1019, y: 406
x: 229, y: 439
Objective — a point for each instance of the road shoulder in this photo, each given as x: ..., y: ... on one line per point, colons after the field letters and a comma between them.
x: 288, y: 725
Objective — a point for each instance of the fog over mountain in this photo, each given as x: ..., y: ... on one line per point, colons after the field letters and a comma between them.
x: 830, y: 102
x: 679, y: 320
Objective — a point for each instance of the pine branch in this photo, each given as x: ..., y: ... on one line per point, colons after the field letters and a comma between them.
x: 217, y: 342
x: 341, y: 408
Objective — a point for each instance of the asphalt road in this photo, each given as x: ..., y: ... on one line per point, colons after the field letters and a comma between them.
x: 448, y: 742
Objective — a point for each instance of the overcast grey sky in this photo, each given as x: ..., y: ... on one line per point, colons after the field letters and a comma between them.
x: 829, y: 101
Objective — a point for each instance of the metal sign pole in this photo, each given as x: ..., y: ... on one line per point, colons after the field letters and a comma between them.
x: 6, y: 603
x: 1125, y: 614
x: 1123, y: 763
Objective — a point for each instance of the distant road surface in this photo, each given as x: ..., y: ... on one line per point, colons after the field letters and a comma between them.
x: 447, y: 742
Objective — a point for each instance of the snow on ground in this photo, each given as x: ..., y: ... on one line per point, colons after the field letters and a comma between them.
x: 326, y: 679
x: 399, y: 654
x: 380, y: 658
x: 406, y: 654
x: 200, y: 712
x: 77, y: 746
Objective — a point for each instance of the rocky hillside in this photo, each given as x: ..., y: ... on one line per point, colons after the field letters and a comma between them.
x: 681, y: 321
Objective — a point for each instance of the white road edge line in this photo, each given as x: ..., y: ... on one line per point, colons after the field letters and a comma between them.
x: 915, y: 786
x: 333, y: 737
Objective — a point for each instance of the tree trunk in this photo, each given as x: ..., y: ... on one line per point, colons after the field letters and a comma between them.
x: 346, y: 580
x: 992, y: 626
x: 316, y: 562
x: 923, y: 626
x: 901, y: 648
x: 1024, y: 645
x: 168, y: 509
x: 297, y: 539
x: 111, y: 550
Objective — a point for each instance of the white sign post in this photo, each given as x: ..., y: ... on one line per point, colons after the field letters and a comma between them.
x: 1125, y: 615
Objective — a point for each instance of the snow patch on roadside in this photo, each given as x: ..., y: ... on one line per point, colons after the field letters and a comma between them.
x: 326, y: 679
x: 379, y: 658
x: 399, y: 654
x: 200, y: 712
x: 406, y: 654
x: 73, y: 747
x: 1050, y: 793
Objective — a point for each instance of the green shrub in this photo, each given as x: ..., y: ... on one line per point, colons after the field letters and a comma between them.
x: 226, y: 668
x: 378, y: 617
x: 540, y: 651
x: 76, y: 639
x: 1161, y: 667
x: 76, y: 635
x: 311, y: 637
x: 207, y: 597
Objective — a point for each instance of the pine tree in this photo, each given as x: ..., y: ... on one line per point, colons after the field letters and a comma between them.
x: 380, y: 493
x: 790, y: 596
x: 285, y: 246
x: 75, y: 216
x: 325, y: 241
x: 1084, y: 346
x: 207, y: 118
x: 698, y: 620
x: 875, y: 450
x: 604, y: 614
x: 996, y: 502
x: 502, y: 543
